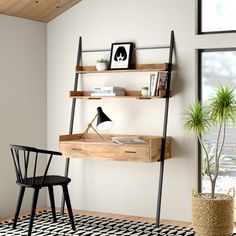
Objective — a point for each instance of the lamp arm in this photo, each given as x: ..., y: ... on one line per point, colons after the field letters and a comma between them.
x: 94, y: 118
x: 90, y: 126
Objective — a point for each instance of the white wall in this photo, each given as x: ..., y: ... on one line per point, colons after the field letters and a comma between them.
x: 126, y: 187
x: 22, y: 100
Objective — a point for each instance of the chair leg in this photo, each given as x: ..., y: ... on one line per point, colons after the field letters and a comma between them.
x: 19, y: 202
x: 34, y: 204
x: 68, y: 204
x: 51, y: 195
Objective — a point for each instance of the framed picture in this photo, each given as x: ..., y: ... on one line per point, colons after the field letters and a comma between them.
x: 121, y: 54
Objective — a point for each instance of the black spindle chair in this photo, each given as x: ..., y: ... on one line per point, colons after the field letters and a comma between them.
x: 26, y: 177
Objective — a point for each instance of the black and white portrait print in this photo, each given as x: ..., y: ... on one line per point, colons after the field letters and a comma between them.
x: 121, y: 55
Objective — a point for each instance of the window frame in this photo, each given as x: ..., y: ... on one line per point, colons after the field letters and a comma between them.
x: 199, y: 22
x: 199, y: 93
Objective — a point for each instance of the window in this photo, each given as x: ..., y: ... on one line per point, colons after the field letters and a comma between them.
x: 218, y: 66
x: 216, y: 16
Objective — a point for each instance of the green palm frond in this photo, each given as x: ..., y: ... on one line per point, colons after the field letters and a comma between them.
x: 223, y: 105
x: 196, y: 119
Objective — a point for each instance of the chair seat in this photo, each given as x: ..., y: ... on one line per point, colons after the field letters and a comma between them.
x: 50, y: 180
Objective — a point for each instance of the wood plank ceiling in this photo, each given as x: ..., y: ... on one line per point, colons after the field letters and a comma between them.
x: 37, y: 10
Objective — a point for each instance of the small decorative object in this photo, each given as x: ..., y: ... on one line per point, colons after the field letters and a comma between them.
x: 102, y: 64
x: 121, y: 54
x: 103, y: 123
x: 144, y: 91
x: 212, y: 213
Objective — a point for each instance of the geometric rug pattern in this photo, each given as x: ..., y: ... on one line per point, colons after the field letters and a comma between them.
x: 89, y: 226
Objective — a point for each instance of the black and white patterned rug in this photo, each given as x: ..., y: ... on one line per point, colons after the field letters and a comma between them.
x: 89, y: 226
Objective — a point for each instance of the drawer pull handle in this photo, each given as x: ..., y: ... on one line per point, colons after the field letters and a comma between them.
x: 76, y: 149
x: 130, y: 152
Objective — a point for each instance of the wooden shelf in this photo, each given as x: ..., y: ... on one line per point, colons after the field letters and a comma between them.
x: 134, y: 68
x: 97, y: 149
x: 128, y: 94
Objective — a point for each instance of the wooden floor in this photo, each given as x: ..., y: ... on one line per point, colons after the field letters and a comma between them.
x: 115, y: 216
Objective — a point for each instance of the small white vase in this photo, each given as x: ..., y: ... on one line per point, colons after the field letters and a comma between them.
x: 144, y: 92
x: 101, y: 66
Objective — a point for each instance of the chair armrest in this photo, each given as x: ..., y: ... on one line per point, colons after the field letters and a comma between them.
x: 49, y: 152
x: 32, y: 149
x: 24, y: 148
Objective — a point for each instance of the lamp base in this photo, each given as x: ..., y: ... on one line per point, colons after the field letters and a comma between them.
x: 85, y: 134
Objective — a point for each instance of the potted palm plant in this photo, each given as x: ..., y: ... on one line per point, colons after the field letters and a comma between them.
x: 212, y: 213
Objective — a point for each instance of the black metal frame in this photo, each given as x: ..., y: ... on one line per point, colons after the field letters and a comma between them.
x: 199, y: 22
x: 72, y: 116
x: 199, y: 161
x: 163, y: 144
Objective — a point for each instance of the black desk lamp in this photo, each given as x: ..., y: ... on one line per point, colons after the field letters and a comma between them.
x: 103, y: 123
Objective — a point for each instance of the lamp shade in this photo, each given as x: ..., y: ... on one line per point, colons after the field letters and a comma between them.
x: 103, y: 121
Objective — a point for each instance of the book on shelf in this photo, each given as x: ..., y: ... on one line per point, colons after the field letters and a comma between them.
x: 111, y: 88
x: 108, y: 93
x: 161, y: 83
x: 128, y: 140
x: 153, y: 83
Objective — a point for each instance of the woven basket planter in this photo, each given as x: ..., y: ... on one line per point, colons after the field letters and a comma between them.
x: 213, y: 217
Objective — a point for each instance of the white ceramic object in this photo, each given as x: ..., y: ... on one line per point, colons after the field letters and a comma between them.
x: 144, y: 91
x: 101, y: 66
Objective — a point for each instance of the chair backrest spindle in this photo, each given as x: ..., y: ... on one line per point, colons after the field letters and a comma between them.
x: 46, y: 170
x: 26, y: 162
x: 15, y: 165
x: 18, y: 164
x: 35, y: 166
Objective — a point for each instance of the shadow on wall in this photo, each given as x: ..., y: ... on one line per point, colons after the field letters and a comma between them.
x: 177, y: 150
x: 176, y: 81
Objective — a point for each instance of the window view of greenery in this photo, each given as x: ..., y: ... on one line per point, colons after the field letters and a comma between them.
x: 218, y: 15
x: 219, y: 67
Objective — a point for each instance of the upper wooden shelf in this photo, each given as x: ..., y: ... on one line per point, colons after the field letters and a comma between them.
x: 134, y: 68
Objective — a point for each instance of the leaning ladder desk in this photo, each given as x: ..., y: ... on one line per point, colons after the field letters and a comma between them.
x: 161, y: 144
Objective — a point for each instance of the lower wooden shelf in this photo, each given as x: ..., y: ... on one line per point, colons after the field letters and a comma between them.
x: 94, y: 148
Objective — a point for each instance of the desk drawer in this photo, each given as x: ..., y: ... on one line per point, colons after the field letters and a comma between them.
x: 93, y: 148
x: 110, y: 151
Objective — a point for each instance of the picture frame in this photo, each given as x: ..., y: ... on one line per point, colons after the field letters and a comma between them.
x: 121, y: 54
